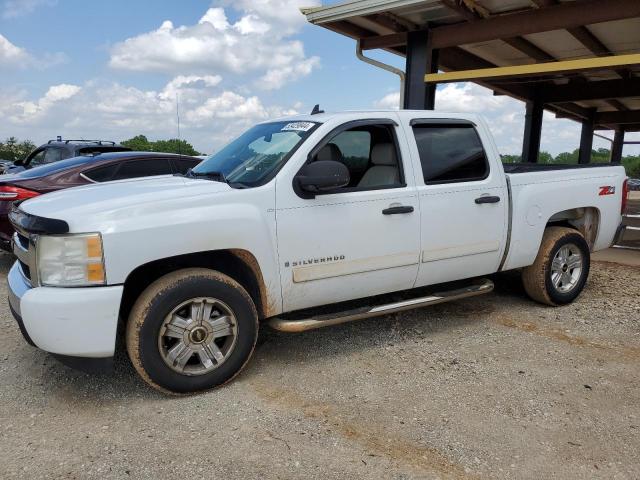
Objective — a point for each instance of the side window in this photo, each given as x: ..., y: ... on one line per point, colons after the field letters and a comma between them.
x: 143, y: 168
x: 370, y: 153
x: 37, y: 159
x: 355, y: 146
x: 182, y: 165
x: 52, y: 155
x: 102, y: 174
x: 450, y: 153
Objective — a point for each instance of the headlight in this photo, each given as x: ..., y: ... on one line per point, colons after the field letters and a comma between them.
x: 70, y: 260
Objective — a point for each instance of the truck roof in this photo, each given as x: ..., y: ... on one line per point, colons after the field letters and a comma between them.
x: 323, y: 117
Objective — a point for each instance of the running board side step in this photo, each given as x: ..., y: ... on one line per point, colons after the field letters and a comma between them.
x: 319, y: 321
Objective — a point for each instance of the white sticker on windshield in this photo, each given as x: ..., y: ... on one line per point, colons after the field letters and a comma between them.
x: 297, y: 127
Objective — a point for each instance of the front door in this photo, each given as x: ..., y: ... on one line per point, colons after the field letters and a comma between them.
x: 351, y: 242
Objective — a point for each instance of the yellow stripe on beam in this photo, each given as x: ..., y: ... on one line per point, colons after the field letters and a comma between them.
x: 534, y: 69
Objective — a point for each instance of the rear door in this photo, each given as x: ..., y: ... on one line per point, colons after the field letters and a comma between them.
x: 463, y: 200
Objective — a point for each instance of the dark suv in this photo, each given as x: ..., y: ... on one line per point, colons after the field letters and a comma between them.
x: 55, y: 150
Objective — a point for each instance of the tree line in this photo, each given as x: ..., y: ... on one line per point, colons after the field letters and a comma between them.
x: 602, y: 155
x: 13, y: 149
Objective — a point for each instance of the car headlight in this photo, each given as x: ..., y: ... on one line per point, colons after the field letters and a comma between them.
x: 70, y: 260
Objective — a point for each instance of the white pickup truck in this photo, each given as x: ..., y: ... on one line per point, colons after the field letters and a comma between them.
x: 301, y: 222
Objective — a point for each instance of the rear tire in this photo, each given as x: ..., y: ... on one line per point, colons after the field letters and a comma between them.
x: 191, y: 330
x: 561, y: 268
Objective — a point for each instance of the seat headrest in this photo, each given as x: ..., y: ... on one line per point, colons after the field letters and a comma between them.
x: 383, y: 154
x: 329, y: 152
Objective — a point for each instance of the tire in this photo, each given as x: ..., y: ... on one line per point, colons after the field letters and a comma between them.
x: 191, y: 330
x: 561, y: 282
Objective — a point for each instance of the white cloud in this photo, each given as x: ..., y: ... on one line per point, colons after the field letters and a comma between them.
x: 12, y: 56
x: 257, y: 43
x: 17, y: 8
x: 27, y: 111
x: 210, y: 116
x: 391, y: 101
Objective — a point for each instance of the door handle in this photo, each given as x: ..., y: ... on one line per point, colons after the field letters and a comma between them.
x: 397, y: 210
x: 487, y: 199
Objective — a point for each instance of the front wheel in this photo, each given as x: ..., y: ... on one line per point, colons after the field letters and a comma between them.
x: 191, y: 330
x: 561, y: 268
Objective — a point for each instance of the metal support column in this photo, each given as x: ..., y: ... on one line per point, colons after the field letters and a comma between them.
x: 617, y: 145
x: 532, y: 131
x: 421, y: 59
x: 586, y: 139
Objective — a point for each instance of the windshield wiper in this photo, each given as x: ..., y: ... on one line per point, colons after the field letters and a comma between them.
x: 215, y: 176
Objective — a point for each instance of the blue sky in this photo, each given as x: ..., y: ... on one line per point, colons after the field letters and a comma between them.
x: 113, y: 69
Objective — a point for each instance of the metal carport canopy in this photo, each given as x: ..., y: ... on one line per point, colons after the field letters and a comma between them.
x: 464, y: 35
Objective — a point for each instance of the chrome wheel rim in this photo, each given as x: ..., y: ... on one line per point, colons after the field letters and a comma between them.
x: 566, y: 268
x: 198, y: 336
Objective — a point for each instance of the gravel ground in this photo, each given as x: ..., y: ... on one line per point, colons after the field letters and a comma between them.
x: 490, y: 387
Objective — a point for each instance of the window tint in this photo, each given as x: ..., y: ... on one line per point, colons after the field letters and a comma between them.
x: 143, y: 168
x: 52, y: 155
x: 355, y: 146
x: 183, y: 165
x: 370, y: 154
x: 451, y: 153
x: 102, y: 174
x: 37, y: 159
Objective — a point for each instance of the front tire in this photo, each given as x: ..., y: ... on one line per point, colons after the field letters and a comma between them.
x: 191, y: 330
x: 561, y: 268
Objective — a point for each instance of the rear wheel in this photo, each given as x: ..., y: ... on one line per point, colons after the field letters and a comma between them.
x: 561, y: 268
x: 191, y: 330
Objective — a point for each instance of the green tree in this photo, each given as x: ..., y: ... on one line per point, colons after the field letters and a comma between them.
x: 511, y: 158
x: 142, y: 144
x: 545, y: 157
x: 138, y: 143
x: 13, y: 150
x: 567, y: 157
x: 632, y: 166
x: 174, y: 145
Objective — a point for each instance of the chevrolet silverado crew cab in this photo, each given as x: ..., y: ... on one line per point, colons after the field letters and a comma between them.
x: 300, y: 223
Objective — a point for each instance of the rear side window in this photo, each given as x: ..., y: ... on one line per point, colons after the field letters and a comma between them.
x: 182, y: 165
x: 143, y: 168
x: 450, y: 153
x: 102, y: 174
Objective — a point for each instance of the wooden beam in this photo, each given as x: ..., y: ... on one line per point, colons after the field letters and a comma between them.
x: 384, y: 41
x: 605, y: 89
x: 617, y: 118
x: 538, y: 69
x: 559, y: 17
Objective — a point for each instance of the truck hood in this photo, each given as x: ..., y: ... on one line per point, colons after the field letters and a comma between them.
x: 115, y: 200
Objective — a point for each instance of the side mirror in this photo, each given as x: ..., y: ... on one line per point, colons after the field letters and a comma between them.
x: 19, y: 163
x: 322, y: 175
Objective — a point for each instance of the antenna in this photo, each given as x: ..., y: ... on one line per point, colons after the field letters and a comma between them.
x: 316, y: 110
x: 178, y: 118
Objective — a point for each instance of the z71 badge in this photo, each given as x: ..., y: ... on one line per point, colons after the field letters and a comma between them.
x: 607, y: 190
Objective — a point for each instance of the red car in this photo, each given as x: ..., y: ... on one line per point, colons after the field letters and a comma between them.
x: 77, y: 171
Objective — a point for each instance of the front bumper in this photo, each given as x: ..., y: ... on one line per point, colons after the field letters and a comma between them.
x: 77, y: 322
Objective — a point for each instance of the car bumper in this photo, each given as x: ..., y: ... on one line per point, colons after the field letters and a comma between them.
x: 76, y: 322
x: 619, y: 234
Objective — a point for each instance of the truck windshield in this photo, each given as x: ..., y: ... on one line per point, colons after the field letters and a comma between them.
x: 254, y: 156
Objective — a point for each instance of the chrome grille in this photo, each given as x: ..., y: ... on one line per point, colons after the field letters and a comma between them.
x: 24, y: 250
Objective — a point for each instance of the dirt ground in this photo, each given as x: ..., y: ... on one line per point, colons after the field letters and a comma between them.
x: 490, y: 387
